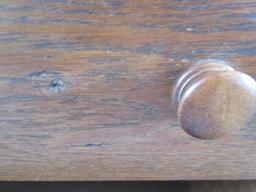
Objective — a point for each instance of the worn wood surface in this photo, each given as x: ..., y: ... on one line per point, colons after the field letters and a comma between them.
x: 85, y: 88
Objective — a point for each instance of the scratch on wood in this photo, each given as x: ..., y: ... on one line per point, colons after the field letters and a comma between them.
x: 90, y: 145
x: 43, y: 73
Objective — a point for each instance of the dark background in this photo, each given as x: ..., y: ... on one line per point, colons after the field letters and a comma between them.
x: 180, y: 186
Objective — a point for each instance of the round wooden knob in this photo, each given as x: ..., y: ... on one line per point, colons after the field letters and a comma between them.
x: 213, y: 99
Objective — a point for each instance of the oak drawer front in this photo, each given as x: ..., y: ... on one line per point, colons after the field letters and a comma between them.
x: 85, y: 88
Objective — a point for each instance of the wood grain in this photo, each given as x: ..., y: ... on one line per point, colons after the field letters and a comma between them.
x: 85, y: 88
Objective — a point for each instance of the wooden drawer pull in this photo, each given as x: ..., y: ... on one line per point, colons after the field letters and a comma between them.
x: 212, y: 99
